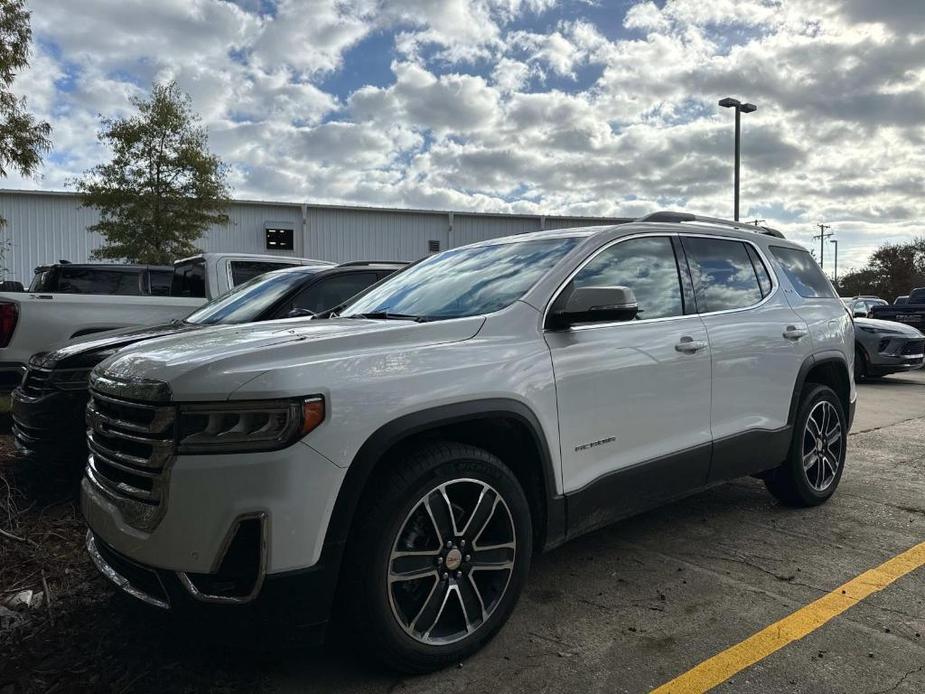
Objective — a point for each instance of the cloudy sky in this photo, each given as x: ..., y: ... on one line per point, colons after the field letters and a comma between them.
x: 572, y: 106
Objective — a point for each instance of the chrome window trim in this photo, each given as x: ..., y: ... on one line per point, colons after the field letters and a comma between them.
x: 775, y: 282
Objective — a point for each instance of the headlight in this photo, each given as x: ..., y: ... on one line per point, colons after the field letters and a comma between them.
x: 71, y: 379
x: 260, y: 425
x: 879, y: 331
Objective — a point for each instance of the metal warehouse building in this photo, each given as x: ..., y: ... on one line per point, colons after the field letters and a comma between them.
x: 44, y: 227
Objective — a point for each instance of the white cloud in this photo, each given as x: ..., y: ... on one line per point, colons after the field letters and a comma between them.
x: 467, y: 119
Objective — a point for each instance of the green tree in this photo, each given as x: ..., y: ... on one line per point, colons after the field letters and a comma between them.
x: 23, y: 137
x: 893, y: 269
x: 163, y: 187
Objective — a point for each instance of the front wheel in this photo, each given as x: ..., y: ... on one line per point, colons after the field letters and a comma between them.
x: 440, y: 559
x: 860, y: 364
x: 817, y: 452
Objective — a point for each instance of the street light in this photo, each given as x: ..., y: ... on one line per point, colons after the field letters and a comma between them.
x: 835, y: 241
x: 740, y: 108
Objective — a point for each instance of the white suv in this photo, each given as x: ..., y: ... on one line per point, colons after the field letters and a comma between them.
x: 410, y: 453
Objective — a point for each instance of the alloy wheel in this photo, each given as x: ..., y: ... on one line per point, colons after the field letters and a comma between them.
x: 822, y: 445
x: 451, y: 562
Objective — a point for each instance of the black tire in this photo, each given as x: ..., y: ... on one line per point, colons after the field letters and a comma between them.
x: 369, y: 598
x: 860, y: 364
x: 790, y: 483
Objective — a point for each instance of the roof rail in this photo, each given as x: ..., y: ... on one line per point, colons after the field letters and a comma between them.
x: 373, y: 262
x: 678, y: 217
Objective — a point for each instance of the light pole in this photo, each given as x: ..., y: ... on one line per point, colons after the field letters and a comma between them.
x: 740, y: 108
x: 822, y: 236
x: 835, y: 241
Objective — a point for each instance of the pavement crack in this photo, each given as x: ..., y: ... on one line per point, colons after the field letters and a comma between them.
x: 883, y: 426
x: 787, y: 578
x: 900, y: 681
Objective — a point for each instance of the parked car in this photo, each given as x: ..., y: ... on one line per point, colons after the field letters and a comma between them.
x: 48, y: 405
x: 413, y: 449
x: 36, y: 322
x: 102, y: 278
x: 904, y: 299
x: 912, y: 312
x: 885, y: 347
x: 860, y: 306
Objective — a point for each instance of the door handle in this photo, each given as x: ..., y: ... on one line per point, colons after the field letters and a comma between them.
x: 689, y: 345
x: 794, y: 333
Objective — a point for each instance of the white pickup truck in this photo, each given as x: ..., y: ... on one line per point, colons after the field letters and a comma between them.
x: 36, y: 322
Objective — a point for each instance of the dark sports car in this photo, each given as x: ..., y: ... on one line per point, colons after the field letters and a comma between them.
x: 48, y: 406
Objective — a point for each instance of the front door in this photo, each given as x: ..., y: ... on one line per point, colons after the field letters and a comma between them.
x: 633, y: 397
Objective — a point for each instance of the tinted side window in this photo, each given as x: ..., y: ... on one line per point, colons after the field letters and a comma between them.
x: 724, y: 277
x: 74, y: 280
x: 189, y: 279
x: 244, y: 270
x: 330, y: 292
x: 160, y: 282
x: 43, y: 281
x: 804, y: 274
x: 645, y: 265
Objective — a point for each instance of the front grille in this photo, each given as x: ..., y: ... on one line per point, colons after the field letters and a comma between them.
x: 36, y: 382
x: 915, y: 347
x: 132, y: 445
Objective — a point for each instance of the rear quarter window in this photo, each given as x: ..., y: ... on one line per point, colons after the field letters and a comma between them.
x: 82, y: 280
x: 803, y: 272
x: 244, y: 270
x: 189, y: 279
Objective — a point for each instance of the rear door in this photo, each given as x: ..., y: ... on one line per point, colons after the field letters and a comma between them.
x: 757, y: 345
x: 814, y: 299
x: 634, y: 396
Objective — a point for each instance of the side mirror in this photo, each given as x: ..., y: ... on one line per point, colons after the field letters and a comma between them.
x: 299, y: 312
x: 597, y: 305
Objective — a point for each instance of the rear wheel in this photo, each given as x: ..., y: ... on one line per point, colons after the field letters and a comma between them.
x: 817, y: 453
x: 440, y: 559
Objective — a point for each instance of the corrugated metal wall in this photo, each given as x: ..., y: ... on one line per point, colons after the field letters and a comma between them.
x: 45, y: 227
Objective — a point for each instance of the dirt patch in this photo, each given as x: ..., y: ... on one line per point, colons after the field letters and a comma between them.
x: 81, y: 634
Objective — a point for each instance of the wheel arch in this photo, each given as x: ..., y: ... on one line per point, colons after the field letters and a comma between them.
x: 478, y: 422
x: 827, y: 368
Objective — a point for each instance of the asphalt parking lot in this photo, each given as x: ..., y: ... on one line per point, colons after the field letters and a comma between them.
x: 626, y: 609
x: 631, y: 607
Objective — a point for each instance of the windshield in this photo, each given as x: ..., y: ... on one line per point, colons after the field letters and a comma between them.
x: 466, y: 281
x: 247, y: 302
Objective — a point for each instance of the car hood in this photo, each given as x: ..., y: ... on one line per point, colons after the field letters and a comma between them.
x: 211, y: 363
x: 892, y: 326
x: 88, y: 350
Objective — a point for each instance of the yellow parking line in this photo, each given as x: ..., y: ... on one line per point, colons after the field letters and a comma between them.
x: 795, y: 626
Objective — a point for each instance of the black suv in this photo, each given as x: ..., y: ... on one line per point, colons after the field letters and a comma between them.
x: 48, y: 406
x: 102, y: 278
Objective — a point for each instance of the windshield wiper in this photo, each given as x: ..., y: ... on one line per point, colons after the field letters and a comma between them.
x: 387, y: 315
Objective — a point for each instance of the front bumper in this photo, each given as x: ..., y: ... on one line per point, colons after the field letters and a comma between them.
x: 294, y: 488
x: 50, y: 425
x: 300, y: 601
x: 183, y: 561
x: 894, y: 354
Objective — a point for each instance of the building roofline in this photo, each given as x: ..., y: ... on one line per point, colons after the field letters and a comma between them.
x: 354, y: 208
